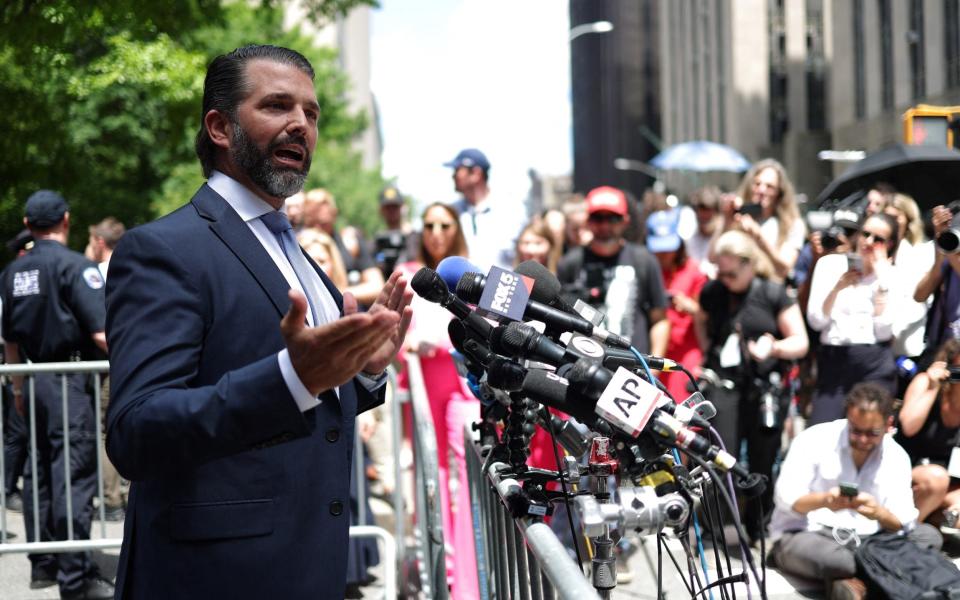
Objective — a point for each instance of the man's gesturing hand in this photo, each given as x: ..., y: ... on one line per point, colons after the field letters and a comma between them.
x: 330, y: 355
x: 394, y: 298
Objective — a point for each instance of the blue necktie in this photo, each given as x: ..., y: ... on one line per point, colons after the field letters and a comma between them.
x: 278, y: 224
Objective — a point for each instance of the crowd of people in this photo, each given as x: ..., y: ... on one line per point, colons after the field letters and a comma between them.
x: 780, y: 321
x: 835, y: 335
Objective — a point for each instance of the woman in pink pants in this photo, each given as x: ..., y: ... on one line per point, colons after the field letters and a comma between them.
x: 451, y: 403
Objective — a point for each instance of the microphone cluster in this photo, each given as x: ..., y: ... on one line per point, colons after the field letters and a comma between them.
x: 528, y: 355
x: 519, y: 338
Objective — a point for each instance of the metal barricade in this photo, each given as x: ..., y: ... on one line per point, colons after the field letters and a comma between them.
x: 97, y: 368
x: 516, y: 557
x: 429, y: 545
x: 428, y: 535
x: 393, y: 551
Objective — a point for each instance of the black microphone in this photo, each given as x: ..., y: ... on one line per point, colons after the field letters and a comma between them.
x: 430, y: 286
x: 472, y: 288
x: 523, y: 341
x: 574, y: 440
x: 546, y: 286
x: 590, y: 379
x: 549, y: 389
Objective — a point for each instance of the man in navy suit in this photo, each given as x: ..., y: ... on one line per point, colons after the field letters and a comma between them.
x: 237, y: 374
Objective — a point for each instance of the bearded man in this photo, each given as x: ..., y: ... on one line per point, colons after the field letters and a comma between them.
x: 239, y: 367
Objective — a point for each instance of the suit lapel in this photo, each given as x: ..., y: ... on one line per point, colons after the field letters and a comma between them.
x: 227, y: 225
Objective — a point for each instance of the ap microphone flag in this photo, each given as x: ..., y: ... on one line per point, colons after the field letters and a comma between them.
x: 506, y: 295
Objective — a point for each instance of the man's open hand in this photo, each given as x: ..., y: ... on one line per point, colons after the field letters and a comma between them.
x: 394, y: 299
x: 330, y: 355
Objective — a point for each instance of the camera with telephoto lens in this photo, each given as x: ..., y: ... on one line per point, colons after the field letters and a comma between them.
x: 834, y: 227
x: 770, y: 403
x: 949, y: 241
x: 954, y: 374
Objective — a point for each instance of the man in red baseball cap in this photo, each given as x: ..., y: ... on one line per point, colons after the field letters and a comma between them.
x: 617, y: 277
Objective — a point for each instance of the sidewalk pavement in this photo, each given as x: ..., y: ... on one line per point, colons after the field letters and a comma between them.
x: 15, y: 568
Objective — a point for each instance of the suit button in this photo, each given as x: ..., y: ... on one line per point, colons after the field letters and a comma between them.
x: 336, y: 508
x: 333, y: 435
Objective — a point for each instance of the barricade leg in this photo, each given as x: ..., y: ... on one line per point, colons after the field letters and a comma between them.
x: 72, y: 468
x: 536, y: 591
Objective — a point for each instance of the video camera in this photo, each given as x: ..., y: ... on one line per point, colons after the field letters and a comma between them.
x: 834, y: 226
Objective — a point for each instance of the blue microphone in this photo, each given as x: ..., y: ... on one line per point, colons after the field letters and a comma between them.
x: 452, y: 268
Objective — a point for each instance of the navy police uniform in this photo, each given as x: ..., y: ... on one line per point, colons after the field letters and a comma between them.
x: 53, y: 301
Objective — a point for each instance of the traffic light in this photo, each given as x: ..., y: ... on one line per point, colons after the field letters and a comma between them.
x: 926, y: 125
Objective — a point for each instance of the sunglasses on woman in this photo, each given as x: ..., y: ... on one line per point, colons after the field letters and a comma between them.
x: 437, y: 226
x: 869, y: 235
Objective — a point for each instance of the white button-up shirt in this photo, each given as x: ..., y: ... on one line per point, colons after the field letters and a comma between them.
x: 819, y: 459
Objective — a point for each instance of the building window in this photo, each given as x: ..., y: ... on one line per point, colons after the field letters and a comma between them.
x: 721, y: 75
x: 815, y: 67
x: 886, y: 54
x: 696, y: 95
x: 951, y: 41
x: 915, y: 40
x: 778, y: 72
x: 859, y: 73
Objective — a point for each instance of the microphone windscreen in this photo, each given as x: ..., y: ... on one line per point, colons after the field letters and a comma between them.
x: 452, y: 268
x: 545, y: 387
x: 546, y: 286
x: 428, y: 284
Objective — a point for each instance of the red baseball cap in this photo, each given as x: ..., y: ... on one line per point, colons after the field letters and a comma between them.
x: 606, y: 199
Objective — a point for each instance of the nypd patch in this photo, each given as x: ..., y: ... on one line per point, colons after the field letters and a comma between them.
x: 93, y: 278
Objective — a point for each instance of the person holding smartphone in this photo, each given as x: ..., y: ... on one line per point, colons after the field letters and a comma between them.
x: 853, y: 301
x: 929, y: 430
x: 840, y: 483
x: 766, y: 209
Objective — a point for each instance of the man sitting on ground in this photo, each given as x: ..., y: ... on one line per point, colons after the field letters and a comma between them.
x: 841, y: 482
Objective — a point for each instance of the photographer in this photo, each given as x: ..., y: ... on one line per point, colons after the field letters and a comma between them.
x: 766, y: 209
x: 943, y: 282
x: 839, y: 237
x: 853, y: 299
x: 930, y: 431
x: 748, y: 326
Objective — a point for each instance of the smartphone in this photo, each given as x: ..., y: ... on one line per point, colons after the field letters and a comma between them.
x: 850, y: 490
x: 752, y: 209
x: 854, y: 262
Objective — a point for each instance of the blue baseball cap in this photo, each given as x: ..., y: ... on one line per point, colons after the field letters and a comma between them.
x: 471, y: 157
x: 662, y: 233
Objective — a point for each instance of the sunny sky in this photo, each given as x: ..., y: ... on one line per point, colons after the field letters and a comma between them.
x: 490, y: 74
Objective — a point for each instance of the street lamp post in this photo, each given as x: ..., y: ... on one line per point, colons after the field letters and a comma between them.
x: 585, y: 28
x: 629, y: 164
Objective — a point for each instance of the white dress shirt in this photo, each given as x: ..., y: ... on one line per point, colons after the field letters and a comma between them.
x: 852, y: 319
x: 250, y: 208
x: 819, y: 459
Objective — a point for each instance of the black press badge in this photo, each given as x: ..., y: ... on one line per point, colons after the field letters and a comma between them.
x: 505, y: 296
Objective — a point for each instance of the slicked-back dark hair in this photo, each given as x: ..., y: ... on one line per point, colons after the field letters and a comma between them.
x: 225, y: 86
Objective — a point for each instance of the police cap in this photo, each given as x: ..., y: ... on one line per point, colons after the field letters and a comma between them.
x: 45, y: 208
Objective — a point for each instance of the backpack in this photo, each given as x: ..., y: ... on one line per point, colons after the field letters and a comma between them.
x: 894, y: 567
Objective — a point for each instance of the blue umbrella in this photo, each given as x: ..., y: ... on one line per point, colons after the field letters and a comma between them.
x: 700, y: 156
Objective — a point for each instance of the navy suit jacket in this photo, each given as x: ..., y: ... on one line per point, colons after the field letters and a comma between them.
x: 236, y: 493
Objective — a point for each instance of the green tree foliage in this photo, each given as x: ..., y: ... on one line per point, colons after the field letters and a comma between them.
x: 101, y: 101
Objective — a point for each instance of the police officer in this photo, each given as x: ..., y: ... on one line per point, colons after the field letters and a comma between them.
x: 53, y: 310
